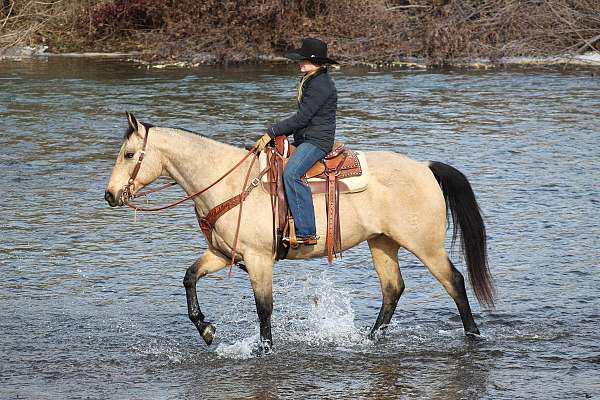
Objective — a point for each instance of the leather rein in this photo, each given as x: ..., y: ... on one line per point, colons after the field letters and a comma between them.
x: 206, y: 223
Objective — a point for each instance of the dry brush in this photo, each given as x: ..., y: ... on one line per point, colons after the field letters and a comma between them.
x: 439, y: 31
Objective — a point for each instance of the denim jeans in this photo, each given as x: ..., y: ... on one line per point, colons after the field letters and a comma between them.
x: 299, y: 196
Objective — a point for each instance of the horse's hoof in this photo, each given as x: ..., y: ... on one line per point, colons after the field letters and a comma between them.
x: 377, y: 334
x: 207, y: 331
x: 263, y: 348
x: 475, y: 336
x: 267, y: 347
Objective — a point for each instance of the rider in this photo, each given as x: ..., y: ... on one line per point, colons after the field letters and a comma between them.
x: 313, y: 127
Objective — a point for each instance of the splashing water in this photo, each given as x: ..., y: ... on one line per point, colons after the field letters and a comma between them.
x: 331, y: 316
x: 322, y: 315
x: 241, y: 350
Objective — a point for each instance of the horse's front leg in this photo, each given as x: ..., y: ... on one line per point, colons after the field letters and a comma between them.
x: 260, y: 271
x: 209, y: 262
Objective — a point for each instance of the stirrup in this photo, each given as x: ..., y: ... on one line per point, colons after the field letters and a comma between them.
x: 306, y: 240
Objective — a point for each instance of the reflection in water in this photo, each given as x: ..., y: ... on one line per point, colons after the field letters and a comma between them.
x: 468, y: 374
x: 91, y: 299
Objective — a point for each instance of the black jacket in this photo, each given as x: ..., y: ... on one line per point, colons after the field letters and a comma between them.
x: 314, y: 122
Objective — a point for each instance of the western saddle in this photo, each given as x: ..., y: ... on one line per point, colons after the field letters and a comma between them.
x: 323, y: 177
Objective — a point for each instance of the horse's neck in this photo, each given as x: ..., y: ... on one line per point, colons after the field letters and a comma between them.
x: 195, y: 162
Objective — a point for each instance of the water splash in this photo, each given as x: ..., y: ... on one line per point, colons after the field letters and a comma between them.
x: 241, y: 350
x: 315, y: 312
x: 331, y: 316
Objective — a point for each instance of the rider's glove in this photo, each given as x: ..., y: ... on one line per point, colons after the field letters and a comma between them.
x: 262, y: 142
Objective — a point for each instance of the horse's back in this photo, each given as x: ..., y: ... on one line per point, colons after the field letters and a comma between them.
x: 405, y: 194
x: 395, y: 169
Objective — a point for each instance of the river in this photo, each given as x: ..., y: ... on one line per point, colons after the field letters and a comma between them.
x: 92, y: 302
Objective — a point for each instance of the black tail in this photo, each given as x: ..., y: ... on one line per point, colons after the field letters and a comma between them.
x: 460, y: 201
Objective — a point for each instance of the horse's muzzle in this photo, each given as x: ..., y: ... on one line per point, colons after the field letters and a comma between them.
x: 110, y: 199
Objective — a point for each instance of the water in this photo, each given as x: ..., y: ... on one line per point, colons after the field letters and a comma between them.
x: 92, y: 303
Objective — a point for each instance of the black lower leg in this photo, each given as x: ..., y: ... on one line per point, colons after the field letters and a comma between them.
x: 206, y: 329
x: 390, y: 300
x: 462, y: 302
x: 264, y: 308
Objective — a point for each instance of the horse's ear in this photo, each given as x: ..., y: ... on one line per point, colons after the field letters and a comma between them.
x: 133, y: 122
x: 133, y: 125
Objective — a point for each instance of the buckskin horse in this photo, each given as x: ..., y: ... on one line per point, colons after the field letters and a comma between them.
x: 406, y: 204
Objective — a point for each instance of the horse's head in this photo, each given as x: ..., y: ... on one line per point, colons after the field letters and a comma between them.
x: 130, y: 173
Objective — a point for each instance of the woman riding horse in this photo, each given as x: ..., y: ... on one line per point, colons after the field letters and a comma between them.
x: 404, y: 205
x: 313, y: 126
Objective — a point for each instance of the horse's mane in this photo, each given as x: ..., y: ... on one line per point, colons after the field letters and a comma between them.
x: 196, y: 135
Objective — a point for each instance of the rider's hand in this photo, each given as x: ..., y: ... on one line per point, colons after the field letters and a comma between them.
x: 262, y: 142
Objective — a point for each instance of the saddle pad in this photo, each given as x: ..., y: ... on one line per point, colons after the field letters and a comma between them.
x: 350, y: 184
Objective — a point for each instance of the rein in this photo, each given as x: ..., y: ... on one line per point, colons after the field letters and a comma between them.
x: 206, y: 223
x: 186, y: 198
x: 158, y: 189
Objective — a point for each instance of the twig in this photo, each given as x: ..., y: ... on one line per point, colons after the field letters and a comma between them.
x: 406, y: 7
x: 12, y: 4
x: 24, y: 35
x: 24, y: 16
x: 9, y: 35
x: 589, y: 43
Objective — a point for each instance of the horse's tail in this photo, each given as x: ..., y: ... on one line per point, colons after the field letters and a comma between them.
x: 460, y: 201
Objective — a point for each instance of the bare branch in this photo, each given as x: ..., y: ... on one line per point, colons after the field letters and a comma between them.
x: 589, y: 43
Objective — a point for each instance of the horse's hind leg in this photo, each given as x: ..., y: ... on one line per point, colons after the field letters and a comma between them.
x: 209, y: 262
x: 444, y: 271
x: 384, y: 252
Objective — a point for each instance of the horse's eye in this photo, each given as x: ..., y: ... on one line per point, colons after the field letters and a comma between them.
x: 129, y: 154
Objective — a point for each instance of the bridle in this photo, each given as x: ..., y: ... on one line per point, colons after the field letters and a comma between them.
x: 126, y: 193
x: 206, y: 223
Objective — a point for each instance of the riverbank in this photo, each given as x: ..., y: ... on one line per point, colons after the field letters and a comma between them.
x: 375, y: 33
x: 590, y: 60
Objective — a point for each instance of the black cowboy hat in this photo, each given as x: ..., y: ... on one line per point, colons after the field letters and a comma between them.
x: 313, y: 50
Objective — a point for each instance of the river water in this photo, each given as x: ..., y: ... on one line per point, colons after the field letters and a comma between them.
x: 92, y: 304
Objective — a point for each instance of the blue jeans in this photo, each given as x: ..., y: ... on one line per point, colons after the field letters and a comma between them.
x: 298, y: 194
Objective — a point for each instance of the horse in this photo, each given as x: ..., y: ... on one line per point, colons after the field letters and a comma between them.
x: 407, y: 204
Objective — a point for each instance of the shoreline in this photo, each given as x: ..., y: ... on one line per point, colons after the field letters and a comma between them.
x: 589, y: 60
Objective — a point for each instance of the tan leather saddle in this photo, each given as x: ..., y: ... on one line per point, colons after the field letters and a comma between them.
x: 325, y: 176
